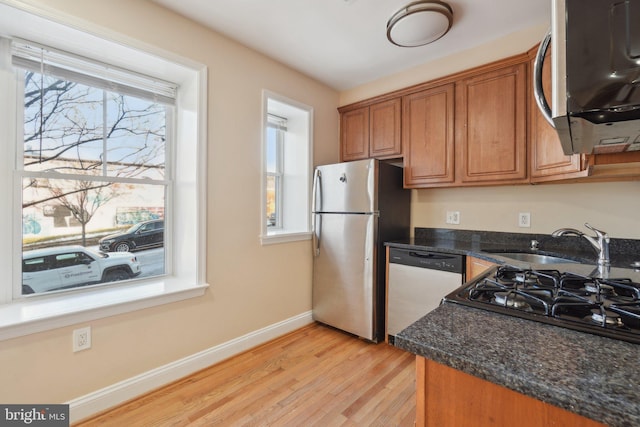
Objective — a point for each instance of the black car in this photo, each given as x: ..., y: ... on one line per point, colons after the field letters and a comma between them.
x: 143, y: 235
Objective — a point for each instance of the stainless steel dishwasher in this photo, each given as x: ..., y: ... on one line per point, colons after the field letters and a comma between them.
x: 418, y: 280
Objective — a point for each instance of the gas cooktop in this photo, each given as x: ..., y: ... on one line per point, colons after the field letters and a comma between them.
x: 606, y: 307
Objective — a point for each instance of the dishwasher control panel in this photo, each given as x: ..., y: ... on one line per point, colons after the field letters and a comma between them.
x: 427, y: 259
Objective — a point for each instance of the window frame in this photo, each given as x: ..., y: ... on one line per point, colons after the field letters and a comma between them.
x: 299, y: 117
x: 188, y: 280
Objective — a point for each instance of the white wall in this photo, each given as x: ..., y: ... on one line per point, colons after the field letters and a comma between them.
x: 513, y: 44
x: 612, y: 207
x: 252, y: 286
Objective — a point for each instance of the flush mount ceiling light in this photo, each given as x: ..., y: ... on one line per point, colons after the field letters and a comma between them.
x: 419, y: 23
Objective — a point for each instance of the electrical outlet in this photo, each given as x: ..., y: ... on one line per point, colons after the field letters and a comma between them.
x: 456, y: 218
x: 453, y: 217
x: 524, y: 219
x: 82, y: 339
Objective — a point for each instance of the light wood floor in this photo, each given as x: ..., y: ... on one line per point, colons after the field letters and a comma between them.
x: 315, y: 376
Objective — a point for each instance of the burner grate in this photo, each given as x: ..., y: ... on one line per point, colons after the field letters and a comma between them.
x: 608, y: 307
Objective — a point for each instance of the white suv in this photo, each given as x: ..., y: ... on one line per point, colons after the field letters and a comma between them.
x: 66, y: 267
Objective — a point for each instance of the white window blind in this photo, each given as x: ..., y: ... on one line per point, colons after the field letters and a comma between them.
x: 277, y: 122
x: 64, y: 65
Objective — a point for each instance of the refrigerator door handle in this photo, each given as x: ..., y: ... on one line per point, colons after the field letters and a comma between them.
x: 317, y: 229
x: 316, y: 220
x: 316, y: 191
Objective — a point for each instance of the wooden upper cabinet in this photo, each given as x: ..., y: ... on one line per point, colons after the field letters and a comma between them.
x: 428, y: 137
x: 548, y: 161
x: 384, y: 129
x: 476, y: 127
x: 491, y: 126
x: 354, y: 134
x: 371, y: 131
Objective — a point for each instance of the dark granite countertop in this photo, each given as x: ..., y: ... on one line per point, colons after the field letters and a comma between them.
x: 593, y: 376
x: 623, y: 252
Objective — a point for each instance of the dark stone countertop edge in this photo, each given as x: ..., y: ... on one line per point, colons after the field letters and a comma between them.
x: 533, y: 373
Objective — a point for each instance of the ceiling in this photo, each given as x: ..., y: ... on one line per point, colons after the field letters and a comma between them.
x: 343, y: 43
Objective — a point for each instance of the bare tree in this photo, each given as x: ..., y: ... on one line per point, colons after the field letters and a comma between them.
x: 77, y: 129
x: 84, y: 203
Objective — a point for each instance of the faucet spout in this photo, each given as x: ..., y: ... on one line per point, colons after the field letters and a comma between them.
x: 567, y: 232
x: 600, y: 242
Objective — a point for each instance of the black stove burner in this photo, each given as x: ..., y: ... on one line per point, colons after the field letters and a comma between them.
x: 604, y: 318
x: 511, y: 299
x: 608, y: 307
x: 599, y: 288
x: 525, y: 279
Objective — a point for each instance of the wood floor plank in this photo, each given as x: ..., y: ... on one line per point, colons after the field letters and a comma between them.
x: 315, y: 376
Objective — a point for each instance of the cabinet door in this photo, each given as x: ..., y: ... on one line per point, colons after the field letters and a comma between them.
x: 480, y: 403
x: 477, y: 266
x: 354, y: 134
x: 548, y: 161
x: 491, y: 132
x: 428, y: 137
x: 384, y: 129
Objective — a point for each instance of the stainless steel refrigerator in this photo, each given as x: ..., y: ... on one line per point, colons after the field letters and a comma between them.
x: 357, y: 206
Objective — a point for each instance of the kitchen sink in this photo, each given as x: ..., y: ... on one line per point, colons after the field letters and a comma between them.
x: 534, y: 258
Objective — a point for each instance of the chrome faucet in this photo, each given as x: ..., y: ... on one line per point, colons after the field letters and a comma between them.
x: 600, y: 242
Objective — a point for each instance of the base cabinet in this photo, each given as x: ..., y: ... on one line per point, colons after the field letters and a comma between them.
x: 447, y: 397
x: 477, y: 266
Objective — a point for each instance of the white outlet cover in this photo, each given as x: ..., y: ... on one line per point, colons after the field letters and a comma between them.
x: 82, y: 339
x: 524, y: 219
x: 455, y: 218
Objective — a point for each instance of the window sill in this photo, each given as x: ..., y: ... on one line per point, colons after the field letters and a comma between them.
x: 284, y: 237
x: 39, y: 314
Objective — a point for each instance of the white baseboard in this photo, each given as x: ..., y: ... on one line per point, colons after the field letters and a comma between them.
x: 115, y: 394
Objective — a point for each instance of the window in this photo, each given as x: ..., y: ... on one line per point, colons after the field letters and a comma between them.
x: 276, y: 131
x: 95, y: 141
x: 287, y: 167
x: 92, y: 149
